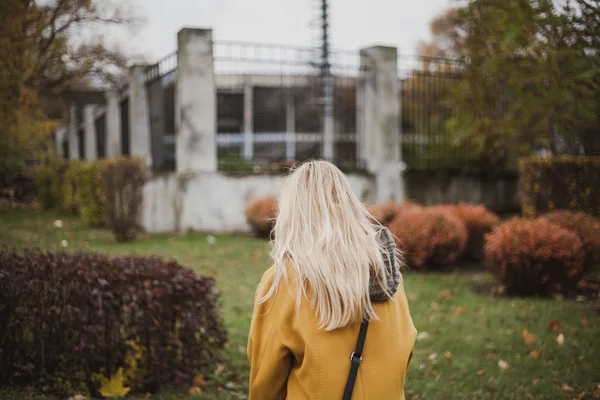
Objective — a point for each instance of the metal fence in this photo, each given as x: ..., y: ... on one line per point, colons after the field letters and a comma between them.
x: 426, y: 110
x: 270, y: 106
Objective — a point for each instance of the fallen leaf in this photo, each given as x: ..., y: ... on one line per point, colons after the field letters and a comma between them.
x: 554, y: 325
x: 584, y: 321
x: 220, y: 369
x: 534, y: 354
x: 214, y: 272
x: 242, y: 349
x: 560, y: 339
x: 446, y: 295
x: 448, y: 355
x: 528, y: 337
x: 210, y: 239
x: 490, y: 382
x: 422, y: 335
x: 256, y: 255
x: 481, y: 372
x: 199, y: 380
x: 459, y: 311
x: 567, y: 388
x: 412, y: 296
x: 432, y: 356
x: 195, y: 391
x: 230, y: 385
x: 597, y: 391
x: 422, y: 366
x: 503, y: 365
x: 435, y: 306
x: 536, y: 381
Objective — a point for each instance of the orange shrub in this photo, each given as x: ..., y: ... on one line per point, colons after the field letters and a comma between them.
x: 477, y: 218
x: 385, y: 213
x: 586, y: 227
x: 534, y: 257
x: 479, y: 221
x: 261, y: 215
x: 429, y: 237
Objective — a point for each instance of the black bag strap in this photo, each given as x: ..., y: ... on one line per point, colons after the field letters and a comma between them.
x: 355, y: 359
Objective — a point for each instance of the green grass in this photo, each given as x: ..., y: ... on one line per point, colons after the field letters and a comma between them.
x: 469, y: 345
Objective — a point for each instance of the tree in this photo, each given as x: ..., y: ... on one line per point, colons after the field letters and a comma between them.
x: 48, y: 48
x: 532, y: 76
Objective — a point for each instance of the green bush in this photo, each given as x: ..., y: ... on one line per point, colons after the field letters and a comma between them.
x: 83, y: 192
x: 49, y: 179
x: 69, y: 188
x: 123, y: 181
x: 560, y: 182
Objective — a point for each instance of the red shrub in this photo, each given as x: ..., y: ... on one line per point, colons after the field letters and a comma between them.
x: 477, y: 218
x: 385, y: 213
x: 534, y: 257
x: 429, y: 237
x: 586, y: 227
x: 261, y: 215
x: 478, y: 221
x: 67, y: 317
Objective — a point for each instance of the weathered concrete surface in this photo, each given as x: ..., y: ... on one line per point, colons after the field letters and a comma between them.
x: 89, y: 130
x: 139, y: 116
x: 113, y: 124
x: 195, y: 103
x: 212, y: 202
x: 379, y: 136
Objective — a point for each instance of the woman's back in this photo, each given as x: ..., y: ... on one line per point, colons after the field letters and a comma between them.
x: 332, y: 269
x: 292, y: 358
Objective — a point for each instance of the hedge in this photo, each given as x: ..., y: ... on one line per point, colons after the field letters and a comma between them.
x: 385, y: 213
x: 71, y: 321
x: 123, y: 183
x: 261, y: 215
x: 479, y: 221
x: 49, y: 179
x: 535, y: 256
x: 560, y: 182
x: 429, y: 238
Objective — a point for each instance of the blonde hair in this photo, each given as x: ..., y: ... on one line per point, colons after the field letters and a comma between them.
x: 324, y: 237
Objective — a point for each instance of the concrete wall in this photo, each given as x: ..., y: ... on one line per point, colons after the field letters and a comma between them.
x: 212, y: 202
x: 499, y: 195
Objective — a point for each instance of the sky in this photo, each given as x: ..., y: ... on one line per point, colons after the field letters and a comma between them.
x: 354, y: 23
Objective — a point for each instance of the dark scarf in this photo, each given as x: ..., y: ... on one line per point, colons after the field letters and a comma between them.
x: 394, y: 278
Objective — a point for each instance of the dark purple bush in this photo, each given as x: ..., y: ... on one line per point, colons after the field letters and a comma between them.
x: 66, y: 317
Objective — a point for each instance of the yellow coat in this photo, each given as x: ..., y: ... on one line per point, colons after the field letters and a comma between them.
x: 291, y: 359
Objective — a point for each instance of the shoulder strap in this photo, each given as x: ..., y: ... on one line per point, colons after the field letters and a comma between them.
x: 355, y: 359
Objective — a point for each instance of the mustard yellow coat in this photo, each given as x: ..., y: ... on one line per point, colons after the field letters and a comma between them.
x: 291, y: 359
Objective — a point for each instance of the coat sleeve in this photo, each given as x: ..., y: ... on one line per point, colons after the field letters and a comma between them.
x: 270, y: 360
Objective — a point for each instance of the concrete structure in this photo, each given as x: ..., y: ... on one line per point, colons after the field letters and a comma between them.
x: 113, y: 124
x: 89, y: 130
x: 195, y: 102
x: 212, y: 202
x: 499, y: 195
x: 139, y: 116
x: 379, y: 144
x: 72, y: 133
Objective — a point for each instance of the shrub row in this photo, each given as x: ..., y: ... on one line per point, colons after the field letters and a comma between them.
x: 71, y: 321
x: 535, y: 256
x: 106, y: 192
x: 561, y: 182
x: 261, y: 215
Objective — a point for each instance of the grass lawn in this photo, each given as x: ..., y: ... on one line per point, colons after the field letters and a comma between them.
x: 473, y: 345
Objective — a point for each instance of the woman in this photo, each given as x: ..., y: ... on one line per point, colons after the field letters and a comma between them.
x: 332, y: 270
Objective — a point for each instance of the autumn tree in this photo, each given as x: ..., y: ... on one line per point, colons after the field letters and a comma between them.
x: 532, y: 76
x: 49, y: 47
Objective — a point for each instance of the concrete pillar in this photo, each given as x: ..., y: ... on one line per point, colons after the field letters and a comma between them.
x: 290, y: 126
x: 139, y: 116
x: 248, y: 119
x: 195, y: 102
x: 89, y: 130
x: 59, y: 137
x: 72, y: 133
x: 380, y: 121
x: 113, y: 124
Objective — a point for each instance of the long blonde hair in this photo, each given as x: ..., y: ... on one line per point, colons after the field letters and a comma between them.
x: 323, y: 236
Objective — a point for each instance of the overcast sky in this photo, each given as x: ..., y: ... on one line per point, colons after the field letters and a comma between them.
x: 354, y: 23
